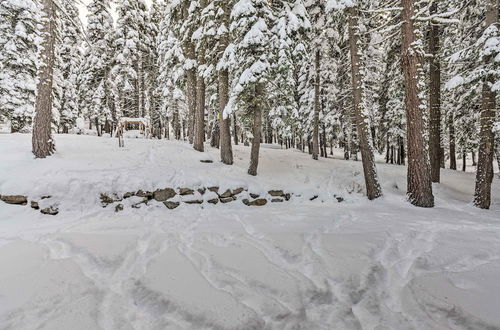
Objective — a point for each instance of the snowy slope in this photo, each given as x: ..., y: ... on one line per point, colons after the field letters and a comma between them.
x: 297, y: 265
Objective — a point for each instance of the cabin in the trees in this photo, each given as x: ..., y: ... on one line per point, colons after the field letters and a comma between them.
x: 134, y: 127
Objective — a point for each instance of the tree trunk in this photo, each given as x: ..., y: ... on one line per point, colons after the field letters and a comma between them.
x: 235, y: 130
x: 434, y: 99
x: 464, y: 161
x: 199, y: 130
x: 453, y: 157
x: 257, y: 127
x: 42, y: 142
x: 484, y: 174
x: 373, y: 189
x: 317, y: 81
x: 473, y: 155
x: 419, y: 176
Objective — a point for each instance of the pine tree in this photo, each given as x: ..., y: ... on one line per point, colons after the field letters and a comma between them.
x: 251, y: 30
x: 419, y: 176
x: 71, y: 62
x: 18, y: 51
x: 43, y: 144
x: 96, y: 94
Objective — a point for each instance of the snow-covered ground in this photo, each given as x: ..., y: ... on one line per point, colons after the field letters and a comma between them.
x: 300, y: 264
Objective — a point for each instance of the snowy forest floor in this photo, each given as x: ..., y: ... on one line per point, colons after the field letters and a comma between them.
x: 302, y: 264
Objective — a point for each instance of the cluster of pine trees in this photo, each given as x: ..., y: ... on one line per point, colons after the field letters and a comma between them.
x: 414, y: 79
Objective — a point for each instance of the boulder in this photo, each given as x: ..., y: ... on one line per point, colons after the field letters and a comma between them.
x: 276, y: 200
x: 339, y: 199
x: 129, y: 194
x: 15, y: 199
x: 213, y: 201
x: 254, y: 196
x: 226, y: 194
x: 207, y: 161
x: 171, y: 205
x: 119, y: 208
x: 194, y: 201
x: 46, y: 197
x: 238, y: 191
x: 162, y: 195
x: 214, y: 189
x: 109, y: 199
x: 227, y: 199
x: 145, y: 194
x: 287, y: 196
x: 202, y: 190
x: 52, y: 210
x: 34, y: 205
x: 276, y: 193
x: 256, y: 202
x: 185, y: 191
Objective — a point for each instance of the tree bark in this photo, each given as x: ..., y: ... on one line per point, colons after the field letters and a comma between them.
x: 435, y: 99
x: 373, y: 189
x: 235, y: 130
x: 317, y: 81
x: 257, y: 128
x: 42, y: 142
x: 453, y: 152
x: 199, y: 130
x: 419, y: 176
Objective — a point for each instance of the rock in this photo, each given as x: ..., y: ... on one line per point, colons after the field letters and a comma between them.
x: 313, y: 198
x: 288, y: 196
x: 34, y: 205
x: 276, y: 193
x: 119, y: 208
x: 146, y: 194
x: 15, y: 199
x: 52, y: 210
x: 214, y: 189
x: 238, y: 191
x: 276, y: 200
x: 227, y: 199
x: 339, y: 199
x: 109, y: 199
x: 162, y: 195
x: 129, y: 194
x: 46, y: 197
x: 226, y: 194
x: 254, y: 196
x: 185, y: 191
x: 194, y: 201
x: 257, y: 202
x: 202, y: 190
x: 207, y: 161
x: 213, y: 201
x: 171, y: 205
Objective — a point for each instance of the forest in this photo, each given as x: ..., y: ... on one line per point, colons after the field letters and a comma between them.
x: 415, y: 80
x: 250, y: 164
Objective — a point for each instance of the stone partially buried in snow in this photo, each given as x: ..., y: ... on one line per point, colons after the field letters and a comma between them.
x: 276, y: 193
x: 257, y: 202
x: 162, y: 195
x: 171, y: 205
x: 185, y: 191
x: 52, y: 210
x: 15, y: 199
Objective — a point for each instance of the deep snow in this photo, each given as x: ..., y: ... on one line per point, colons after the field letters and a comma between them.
x: 298, y: 265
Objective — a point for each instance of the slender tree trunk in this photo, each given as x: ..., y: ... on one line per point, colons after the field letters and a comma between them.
x: 317, y: 81
x: 464, y: 161
x: 373, y: 189
x: 473, y: 154
x: 257, y: 128
x: 235, y: 130
x: 453, y: 157
x: 419, y: 176
x: 226, y: 149
x: 42, y: 142
x: 199, y: 130
x: 191, y: 78
x: 435, y: 99
x: 484, y: 174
